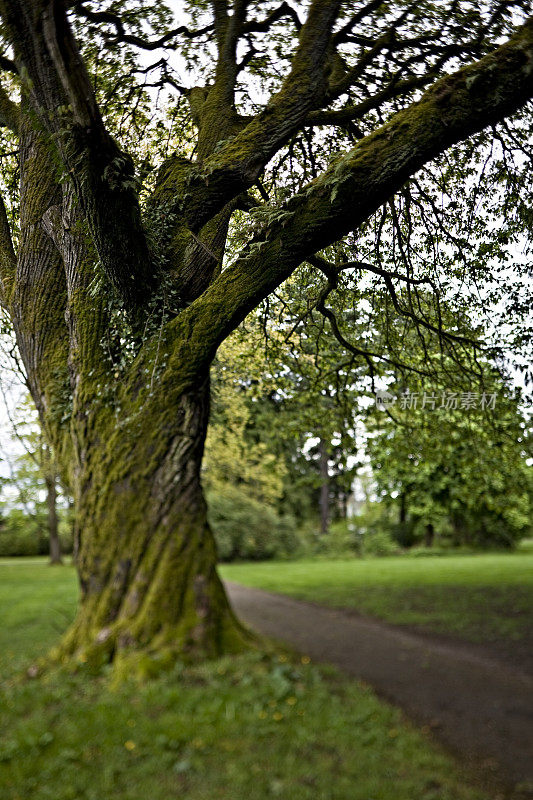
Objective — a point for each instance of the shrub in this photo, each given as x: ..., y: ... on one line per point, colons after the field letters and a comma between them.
x: 342, y: 539
x: 22, y: 534
x: 346, y: 538
x: 244, y: 528
x: 379, y: 544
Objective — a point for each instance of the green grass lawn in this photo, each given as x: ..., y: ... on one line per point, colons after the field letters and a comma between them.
x: 254, y: 727
x: 482, y: 597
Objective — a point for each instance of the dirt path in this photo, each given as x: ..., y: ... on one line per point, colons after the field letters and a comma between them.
x: 479, y: 707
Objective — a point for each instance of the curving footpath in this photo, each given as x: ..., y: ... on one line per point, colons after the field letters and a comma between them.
x: 479, y: 707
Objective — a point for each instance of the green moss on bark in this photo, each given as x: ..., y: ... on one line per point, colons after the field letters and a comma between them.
x: 147, y: 559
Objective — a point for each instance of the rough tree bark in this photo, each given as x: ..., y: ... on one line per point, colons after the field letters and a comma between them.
x: 130, y: 442
x: 146, y: 556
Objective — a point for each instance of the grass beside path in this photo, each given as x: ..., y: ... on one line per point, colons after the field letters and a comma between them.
x: 258, y: 726
x: 482, y: 598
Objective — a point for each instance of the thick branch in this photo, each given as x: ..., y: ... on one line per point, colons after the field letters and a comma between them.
x: 236, y: 166
x: 355, y: 186
x: 38, y: 298
x: 86, y: 312
x: 62, y: 96
x: 215, y: 112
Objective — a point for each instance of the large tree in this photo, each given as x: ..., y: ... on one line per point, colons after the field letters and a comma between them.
x: 118, y: 298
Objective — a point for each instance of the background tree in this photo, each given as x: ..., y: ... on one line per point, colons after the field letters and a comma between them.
x: 243, y: 479
x: 230, y: 458
x: 292, y: 376
x: 448, y: 470
x: 34, y: 507
x: 454, y: 455
x: 115, y: 280
x: 451, y: 454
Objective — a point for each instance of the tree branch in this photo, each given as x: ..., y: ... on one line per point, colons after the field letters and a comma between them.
x: 351, y: 113
x: 121, y: 36
x: 61, y: 95
x: 348, y: 27
x: 368, y: 355
x: 261, y: 26
x: 237, y: 165
x: 67, y: 229
x: 331, y: 271
x: 356, y: 185
x: 38, y: 298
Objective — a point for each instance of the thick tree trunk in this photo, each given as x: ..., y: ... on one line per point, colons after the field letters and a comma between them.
x: 131, y: 454
x: 53, y: 534
x: 146, y: 556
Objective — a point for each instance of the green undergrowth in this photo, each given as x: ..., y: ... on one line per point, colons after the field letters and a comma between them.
x: 482, y: 598
x: 260, y: 725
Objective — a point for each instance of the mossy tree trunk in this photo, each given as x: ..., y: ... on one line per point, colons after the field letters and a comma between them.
x: 146, y: 556
x: 128, y: 434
